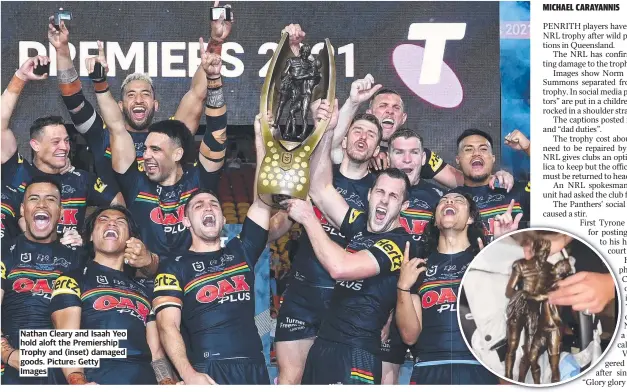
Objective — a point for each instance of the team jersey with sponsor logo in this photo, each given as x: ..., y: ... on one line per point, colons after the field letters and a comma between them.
x: 433, y: 164
x: 423, y: 198
x: 109, y: 299
x: 493, y: 202
x: 360, y: 308
x: 160, y: 209
x: 441, y: 338
x: 29, y: 271
x: 216, y: 292
x: 79, y: 189
x: 10, y: 209
x: 307, y: 268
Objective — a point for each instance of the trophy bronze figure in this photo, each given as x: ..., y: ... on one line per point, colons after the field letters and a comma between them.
x: 529, y: 311
x: 291, y: 84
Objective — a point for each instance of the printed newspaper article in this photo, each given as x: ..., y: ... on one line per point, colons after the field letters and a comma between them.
x: 314, y: 193
x: 579, y: 91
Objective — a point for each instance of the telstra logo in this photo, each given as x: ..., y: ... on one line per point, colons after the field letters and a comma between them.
x: 423, y: 70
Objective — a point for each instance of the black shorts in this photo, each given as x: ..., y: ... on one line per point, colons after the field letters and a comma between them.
x: 335, y: 363
x: 301, y: 312
x: 237, y: 371
x: 394, y: 350
x: 122, y: 372
x: 461, y: 373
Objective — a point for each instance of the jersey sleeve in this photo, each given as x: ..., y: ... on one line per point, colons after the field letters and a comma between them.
x: 100, y: 193
x: 253, y: 240
x: 354, y: 222
x: 207, y: 180
x: 168, y: 283
x: 130, y: 182
x: 433, y: 165
x: 67, y: 291
x: 6, y: 264
x: 388, y: 254
x: 10, y: 169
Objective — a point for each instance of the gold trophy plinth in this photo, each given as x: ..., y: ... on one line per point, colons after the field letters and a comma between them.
x: 284, y: 173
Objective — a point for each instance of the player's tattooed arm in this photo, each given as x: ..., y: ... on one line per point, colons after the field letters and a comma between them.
x: 11, y: 95
x: 160, y: 365
x: 10, y: 355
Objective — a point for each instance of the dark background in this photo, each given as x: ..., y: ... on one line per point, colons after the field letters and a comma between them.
x: 375, y: 29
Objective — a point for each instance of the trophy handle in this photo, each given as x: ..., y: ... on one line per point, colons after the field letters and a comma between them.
x: 269, y: 90
x: 324, y: 90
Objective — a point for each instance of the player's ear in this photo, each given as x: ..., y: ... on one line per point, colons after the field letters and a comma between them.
x: 405, y: 205
x: 34, y: 144
x: 156, y: 105
x: 186, y: 222
x: 121, y: 106
x: 177, y: 154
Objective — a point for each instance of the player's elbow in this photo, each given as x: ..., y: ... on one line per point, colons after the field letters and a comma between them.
x: 409, y: 337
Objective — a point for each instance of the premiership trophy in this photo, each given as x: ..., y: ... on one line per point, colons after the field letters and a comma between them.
x: 291, y: 84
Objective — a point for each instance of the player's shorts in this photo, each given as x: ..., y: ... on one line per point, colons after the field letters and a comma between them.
x: 335, y: 363
x: 237, y: 371
x: 394, y: 350
x: 301, y: 312
x: 122, y: 372
x: 463, y: 372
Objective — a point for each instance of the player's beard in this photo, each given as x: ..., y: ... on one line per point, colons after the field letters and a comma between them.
x: 479, y: 178
x: 357, y: 157
x: 145, y: 123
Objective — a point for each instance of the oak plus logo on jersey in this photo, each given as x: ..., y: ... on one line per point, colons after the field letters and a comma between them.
x: 423, y: 70
x: 231, y: 289
x: 137, y: 307
x: 172, y: 222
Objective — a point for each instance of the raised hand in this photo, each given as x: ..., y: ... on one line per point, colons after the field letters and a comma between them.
x: 517, y: 140
x: 90, y: 62
x: 26, y: 70
x: 363, y: 89
x: 504, y: 223
x: 136, y: 255
x: 321, y: 110
x: 58, y: 38
x: 299, y: 210
x: 221, y: 28
x: 410, y: 270
x: 296, y: 35
x: 210, y: 62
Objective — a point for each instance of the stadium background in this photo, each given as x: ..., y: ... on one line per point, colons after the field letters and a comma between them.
x: 491, y: 63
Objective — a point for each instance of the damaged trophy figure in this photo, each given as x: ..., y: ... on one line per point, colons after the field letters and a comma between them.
x: 298, y: 80
x: 292, y: 83
x: 529, y: 310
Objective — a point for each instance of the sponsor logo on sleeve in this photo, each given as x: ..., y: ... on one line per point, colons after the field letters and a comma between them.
x: 66, y: 285
x: 167, y: 282
x: 99, y: 186
x: 435, y: 161
x: 392, y: 251
x: 353, y: 216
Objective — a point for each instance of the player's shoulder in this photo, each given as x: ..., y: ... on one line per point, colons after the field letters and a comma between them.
x: 522, y: 186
